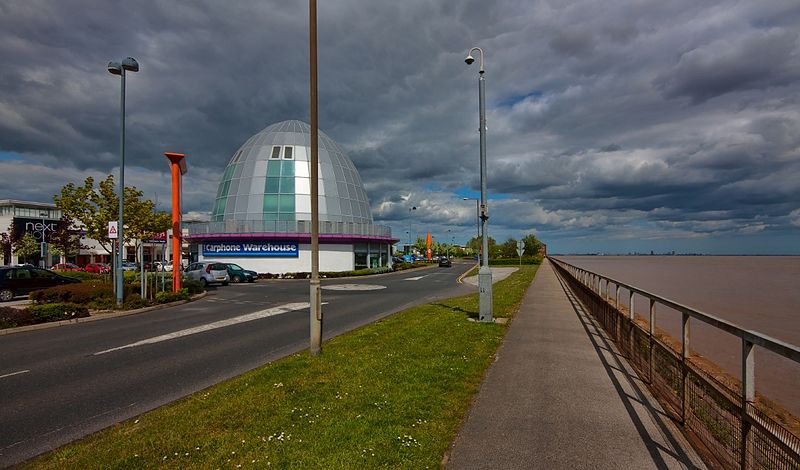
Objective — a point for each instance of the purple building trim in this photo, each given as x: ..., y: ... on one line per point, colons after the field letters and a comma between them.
x: 298, y: 237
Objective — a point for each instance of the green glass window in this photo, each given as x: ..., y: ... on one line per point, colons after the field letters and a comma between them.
x: 287, y: 203
x: 219, y: 207
x: 287, y: 185
x: 272, y: 185
x: 270, y: 216
x: 283, y: 216
x: 270, y: 203
x: 273, y: 168
x: 287, y: 169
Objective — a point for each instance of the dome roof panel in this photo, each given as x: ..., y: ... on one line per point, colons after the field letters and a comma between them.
x: 244, y: 183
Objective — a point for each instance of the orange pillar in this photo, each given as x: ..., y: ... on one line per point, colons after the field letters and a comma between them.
x: 178, y: 165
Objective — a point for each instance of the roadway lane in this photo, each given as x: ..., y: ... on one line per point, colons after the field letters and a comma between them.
x: 56, y: 388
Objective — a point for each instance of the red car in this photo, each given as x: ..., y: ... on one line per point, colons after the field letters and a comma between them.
x: 97, y: 268
x: 67, y: 267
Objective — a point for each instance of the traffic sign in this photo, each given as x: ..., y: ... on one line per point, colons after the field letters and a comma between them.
x: 520, y: 247
x: 112, y: 229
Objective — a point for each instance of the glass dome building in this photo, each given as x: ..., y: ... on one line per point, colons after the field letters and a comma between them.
x: 261, y: 217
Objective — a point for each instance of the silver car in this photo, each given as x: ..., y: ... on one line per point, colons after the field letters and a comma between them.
x: 208, y: 272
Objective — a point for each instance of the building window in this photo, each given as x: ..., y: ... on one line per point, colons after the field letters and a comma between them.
x: 276, y: 152
x: 288, y: 153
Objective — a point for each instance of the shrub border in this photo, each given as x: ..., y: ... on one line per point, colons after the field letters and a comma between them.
x: 101, y: 315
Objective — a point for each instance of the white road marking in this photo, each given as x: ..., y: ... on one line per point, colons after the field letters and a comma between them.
x: 211, y: 326
x: 14, y: 373
x: 414, y: 278
x: 354, y: 287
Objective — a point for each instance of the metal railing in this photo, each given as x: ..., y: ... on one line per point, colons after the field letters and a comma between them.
x: 724, y: 424
x: 288, y: 226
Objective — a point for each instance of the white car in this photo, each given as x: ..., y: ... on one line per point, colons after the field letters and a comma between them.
x: 208, y: 272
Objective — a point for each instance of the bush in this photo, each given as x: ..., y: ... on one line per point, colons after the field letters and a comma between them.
x: 167, y: 297
x: 192, y: 286
x: 91, y: 295
x: 133, y: 301
x: 514, y: 261
x: 12, y: 317
x: 55, y: 312
x: 84, y: 276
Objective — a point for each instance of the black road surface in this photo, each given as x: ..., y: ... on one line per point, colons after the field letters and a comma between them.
x: 56, y: 388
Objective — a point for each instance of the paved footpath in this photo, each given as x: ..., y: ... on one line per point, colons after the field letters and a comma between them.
x: 559, y: 395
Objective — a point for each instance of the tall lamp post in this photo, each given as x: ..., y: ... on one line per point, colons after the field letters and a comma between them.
x: 315, y: 342
x: 118, y: 68
x: 477, y: 216
x: 484, y: 273
x: 411, y: 230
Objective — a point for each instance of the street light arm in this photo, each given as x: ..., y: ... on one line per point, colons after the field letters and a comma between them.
x: 469, y: 59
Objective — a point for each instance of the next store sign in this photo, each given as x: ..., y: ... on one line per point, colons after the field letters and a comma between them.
x: 257, y: 249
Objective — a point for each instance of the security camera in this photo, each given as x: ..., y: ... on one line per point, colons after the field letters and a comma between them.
x: 469, y: 60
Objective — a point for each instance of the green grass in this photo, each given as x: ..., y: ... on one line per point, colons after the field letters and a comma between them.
x: 389, y: 395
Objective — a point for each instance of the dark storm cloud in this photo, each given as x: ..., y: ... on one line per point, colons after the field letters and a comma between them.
x: 606, y: 121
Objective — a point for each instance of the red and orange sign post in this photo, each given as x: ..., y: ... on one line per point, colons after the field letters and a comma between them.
x: 178, y: 165
x: 428, y: 243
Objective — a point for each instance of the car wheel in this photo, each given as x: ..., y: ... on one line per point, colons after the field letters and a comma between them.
x: 6, y: 295
x: 236, y: 279
x: 203, y: 282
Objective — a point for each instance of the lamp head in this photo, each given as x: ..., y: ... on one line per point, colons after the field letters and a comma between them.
x: 115, y: 68
x: 130, y: 64
x: 469, y: 59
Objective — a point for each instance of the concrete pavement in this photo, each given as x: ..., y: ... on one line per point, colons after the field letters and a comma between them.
x: 559, y: 395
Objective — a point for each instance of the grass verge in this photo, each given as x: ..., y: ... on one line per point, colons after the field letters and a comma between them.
x: 389, y: 395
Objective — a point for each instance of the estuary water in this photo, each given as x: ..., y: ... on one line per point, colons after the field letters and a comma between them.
x: 760, y: 293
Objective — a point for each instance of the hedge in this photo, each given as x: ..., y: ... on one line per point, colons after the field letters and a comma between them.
x: 55, y: 312
x: 11, y: 317
x: 167, y: 296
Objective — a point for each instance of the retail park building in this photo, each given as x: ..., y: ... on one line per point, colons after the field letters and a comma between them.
x: 261, y: 217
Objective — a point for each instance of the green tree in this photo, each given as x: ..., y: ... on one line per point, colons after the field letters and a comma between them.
x: 474, y: 244
x: 93, y: 209
x: 26, y: 247
x: 5, y: 248
x: 532, y: 245
x: 65, y: 241
x: 509, y: 249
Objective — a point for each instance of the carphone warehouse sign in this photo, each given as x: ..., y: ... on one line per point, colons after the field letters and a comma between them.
x: 256, y: 249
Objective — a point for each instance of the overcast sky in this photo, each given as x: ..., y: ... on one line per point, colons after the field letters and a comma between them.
x: 613, y: 126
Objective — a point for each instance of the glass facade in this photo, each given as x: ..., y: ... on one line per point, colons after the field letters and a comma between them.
x: 267, y: 179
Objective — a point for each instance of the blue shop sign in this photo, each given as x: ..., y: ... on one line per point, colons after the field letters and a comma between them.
x: 255, y: 249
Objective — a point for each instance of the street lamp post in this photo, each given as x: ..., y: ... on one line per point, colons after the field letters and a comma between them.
x: 484, y: 273
x: 315, y: 290
x: 119, y: 68
x: 477, y: 216
x: 410, y: 229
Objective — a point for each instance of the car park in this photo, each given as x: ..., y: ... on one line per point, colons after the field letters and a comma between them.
x: 22, y: 280
x: 239, y: 274
x: 445, y: 262
x: 67, y: 267
x: 208, y: 272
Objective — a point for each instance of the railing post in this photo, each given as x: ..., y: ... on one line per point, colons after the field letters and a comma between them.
x: 651, y: 332
x: 748, y: 396
x: 631, y: 317
x: 685, y: 354
x: 616, y: 296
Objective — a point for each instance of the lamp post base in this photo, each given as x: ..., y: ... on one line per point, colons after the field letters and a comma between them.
x: 485, y: 297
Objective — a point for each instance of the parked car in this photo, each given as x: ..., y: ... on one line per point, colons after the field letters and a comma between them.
x: 239, y: 274
x: 67, y: 267
x: 445, y: 262
x: 23, y: 280
x: 208, y: 272
x: 97, y: 268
